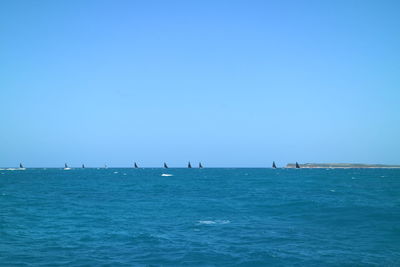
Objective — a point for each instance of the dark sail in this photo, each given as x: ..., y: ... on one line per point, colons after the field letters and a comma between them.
x: 136, y: 166
x: 83, y: 166
x: 200, y: 166
x: 273, y: 165
x: 297, y: 166
x: 65, y: 165
x: 189, y: 165
x: 165, y: 165
x: 20, y: 165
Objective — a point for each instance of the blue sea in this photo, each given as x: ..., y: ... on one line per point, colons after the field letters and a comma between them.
x: 200, y: 217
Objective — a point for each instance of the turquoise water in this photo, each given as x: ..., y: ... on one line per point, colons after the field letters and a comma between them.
x: 200, y: 217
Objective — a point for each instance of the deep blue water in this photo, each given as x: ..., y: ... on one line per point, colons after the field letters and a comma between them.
x: 200, y: 217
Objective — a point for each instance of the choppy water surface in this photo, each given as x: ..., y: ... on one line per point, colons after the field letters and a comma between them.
x: 200, y: 217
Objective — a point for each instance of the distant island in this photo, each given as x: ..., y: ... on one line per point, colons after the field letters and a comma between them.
x: 341, y: 165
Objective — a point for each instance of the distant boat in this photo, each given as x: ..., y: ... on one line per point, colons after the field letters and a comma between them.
x: 83, y: 166
x: 20, y: 166
x: 297, y: 166
x: 165, y: 165
x: 273, y: 165
x: 200, y: 166
x: 189, y: 165
x: 66, y: 167
x: 135, y: 166
x: 105, y: 166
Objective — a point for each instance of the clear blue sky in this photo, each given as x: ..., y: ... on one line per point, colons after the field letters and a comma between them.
x: 228, y: 83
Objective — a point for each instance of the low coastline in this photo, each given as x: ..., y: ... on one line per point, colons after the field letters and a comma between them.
x: 342, y: 166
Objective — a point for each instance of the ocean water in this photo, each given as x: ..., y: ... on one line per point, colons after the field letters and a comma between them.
x: 200, y: 217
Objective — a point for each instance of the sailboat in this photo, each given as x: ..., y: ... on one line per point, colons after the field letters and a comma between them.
x: 165, y: 165
x: 83, y: 166
x: 189, y: 165
x: 105, y: 166
x: 135, y: 166
x: 66, y: 167
x: 297, y: 165
x: 21, y: 167
x: 273, y: 165
x: 200, y: 166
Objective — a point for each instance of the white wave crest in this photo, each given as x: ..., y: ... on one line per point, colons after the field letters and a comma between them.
x: 166, y: 174
x: 215, y: 222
